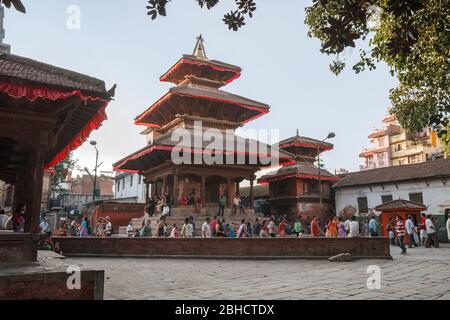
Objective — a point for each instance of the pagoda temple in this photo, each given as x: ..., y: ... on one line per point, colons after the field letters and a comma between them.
x: 197, y: 98
x: 301, y: 189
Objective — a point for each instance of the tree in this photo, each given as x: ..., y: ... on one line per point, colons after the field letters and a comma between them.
x: 411, y: 36
x: 59, y: 173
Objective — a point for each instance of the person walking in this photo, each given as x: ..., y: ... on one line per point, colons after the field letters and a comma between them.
x: 84, y: 228
x: 214, y: 226
x: 206, y: 229
x: 161, y: 228
x: 353, y: 228
x: 271, y: 227
x: 432, y: 239
x: 315, y: 229
x: 130, y: 230
x: 342, y: 231
x: 400, y: 229
x: 282, y: 229
x: 191, y: 228
x: 238, y: 205
x: 373, y: 227
x: 184, y: 229
x: 222, y: 203
x: 411, y: 231
x: 297, y: 227
x: 447, y: 225
x: 256, y: 228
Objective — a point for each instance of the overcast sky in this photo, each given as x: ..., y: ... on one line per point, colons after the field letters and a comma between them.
x: 282, y: 67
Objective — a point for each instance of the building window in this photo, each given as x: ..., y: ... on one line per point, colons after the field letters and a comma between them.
x: 415, y: 159
x: 362, y: 205
x: 416, y: 197
x: 118, y: 185
x: 140, y: 179
x: 123, y: 184
x: 386, y: 198
x: 131, y: 181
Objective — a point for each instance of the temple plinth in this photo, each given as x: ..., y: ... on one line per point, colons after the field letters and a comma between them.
x: 301, y: 189
x: 197, y: 106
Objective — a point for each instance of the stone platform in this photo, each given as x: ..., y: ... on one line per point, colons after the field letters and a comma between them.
x: 225, y: 248
x: 46, y: 279
x: 18, y: 247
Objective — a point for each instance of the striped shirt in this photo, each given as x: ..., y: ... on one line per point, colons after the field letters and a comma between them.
x: 400, y: 228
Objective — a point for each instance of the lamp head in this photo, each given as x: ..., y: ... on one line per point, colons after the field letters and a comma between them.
x: 93, y: 143
x: 331, y: 135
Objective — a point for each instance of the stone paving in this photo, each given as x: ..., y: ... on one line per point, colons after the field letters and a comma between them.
x: 422, y: 274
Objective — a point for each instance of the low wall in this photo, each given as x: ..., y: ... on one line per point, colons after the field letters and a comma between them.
x: 51, y: 286
x: 277, y: 248
x: 18, y: 247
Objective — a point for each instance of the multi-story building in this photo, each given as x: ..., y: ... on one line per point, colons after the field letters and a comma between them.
x: 129, y: 187
x: 391, y: 146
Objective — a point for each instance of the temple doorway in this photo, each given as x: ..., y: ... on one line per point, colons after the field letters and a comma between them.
x: 215, y: 187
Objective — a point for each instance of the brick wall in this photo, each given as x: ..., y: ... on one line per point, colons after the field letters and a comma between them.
x: 229, y: 248
x: 119, y: 213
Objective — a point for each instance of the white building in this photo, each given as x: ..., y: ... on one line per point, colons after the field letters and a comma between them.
x: 427, y: 183
x: 129, y: 187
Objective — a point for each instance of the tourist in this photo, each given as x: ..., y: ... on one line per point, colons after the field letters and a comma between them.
x: 18, y: 218
x: 44, y: 226
x: 238, y: 205
x: 432, y: 239
x: 206, y: 229
x: 222, y: 203
x: 365, y: 229
x: 146, y: 230
x: 137, y: 234
x: 108, y: 227
x: 231, y: 232
x: 373, y: 228
x: 161, y: 228
x: 333, y: 227
x: 342, y: 231
x: 353, y: 227
x: 166, y: 210
x: 447, y: 225
x: 214, y: 226
x: 423, y: 229
x: 151, y: 207
x: 220, y: 228
x: 256, y: 228
x: 400, y: 229
x: 297, y: 226
x: 315, y: 229
x: 391, y: 233
x: 242, y: 232
x: 411, y: 231
x: 282, y: 229
x: 84, y: 228
x: 264, y: 232
x: 184, y: 229
x: 130, y: 230
x: 271, y: 228
x: 174, y: 232
x: 98, y: 228
x: 191, y: 227
x: 168, y: 203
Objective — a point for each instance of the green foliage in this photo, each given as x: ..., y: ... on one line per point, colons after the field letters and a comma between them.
x: 60, y: 173
x: 411, y: 36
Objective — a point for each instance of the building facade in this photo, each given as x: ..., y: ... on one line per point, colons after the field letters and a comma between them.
x: 301, y: 188
x: 129, y: 187
x: 391, y: 146
x: 427, y: 183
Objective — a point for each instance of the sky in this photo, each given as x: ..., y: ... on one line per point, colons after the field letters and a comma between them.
x: 282, y: 67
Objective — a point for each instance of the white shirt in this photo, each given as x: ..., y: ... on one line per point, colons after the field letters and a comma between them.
x: 448, y: 228
x: 206, y: 230
x: 347, y: 224
x: 44, y: 226
x: 271, y: 227
x: 190, y: 230
x: 166, y: 211
x: 237, y: 201
x: 410, y: 228
x: 430, y: 226
x: 130, y: 228
x: 354, y: 229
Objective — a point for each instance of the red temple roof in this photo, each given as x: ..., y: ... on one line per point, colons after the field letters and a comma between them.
x: 299, y: 141
x: 301, y: 170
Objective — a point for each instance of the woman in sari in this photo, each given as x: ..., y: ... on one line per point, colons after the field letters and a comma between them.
x: 282, y: 229
x: 333, y: 228
x: 84, y: 228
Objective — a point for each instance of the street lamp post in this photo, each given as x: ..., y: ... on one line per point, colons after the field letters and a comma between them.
x: 330, y: 136
x: 94, y: 143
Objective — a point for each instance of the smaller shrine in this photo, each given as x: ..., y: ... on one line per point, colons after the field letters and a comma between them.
x: 301, y: 189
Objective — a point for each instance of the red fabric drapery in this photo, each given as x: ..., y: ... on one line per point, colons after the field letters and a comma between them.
x: 32, y: 93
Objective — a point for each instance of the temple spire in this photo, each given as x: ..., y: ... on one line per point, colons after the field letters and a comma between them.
x: 199, y: 50
x: 4, y: 48
x: 298, y: 133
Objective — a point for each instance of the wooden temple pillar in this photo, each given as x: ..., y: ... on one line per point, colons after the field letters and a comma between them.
x: 147, y: 191
x: 252, y: 196
x: 203, y: 191
x: 230, y: 196
x: 238, y: 191
x: 176, y: 189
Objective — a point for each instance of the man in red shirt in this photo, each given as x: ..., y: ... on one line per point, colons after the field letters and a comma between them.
x: 401, y: 231
x: 214, y: 226
x: 423, y: 229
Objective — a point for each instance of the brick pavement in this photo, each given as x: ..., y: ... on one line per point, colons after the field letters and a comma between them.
x: 423, y: 274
